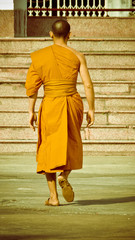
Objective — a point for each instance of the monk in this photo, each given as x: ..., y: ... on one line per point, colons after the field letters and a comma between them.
x: 59, y: 147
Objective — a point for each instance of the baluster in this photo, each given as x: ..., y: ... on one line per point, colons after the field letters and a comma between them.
x: 81, y: 7
x: 70, y: 6
x: 76, y: 6
x: 36, y: 4
x: 64, y: 6
x: 106, y: 6
x: 58, y: 6
x: 103, y: 7
x: 44, y: 6
x: 99, y: 6
x: 37, y: 12
x: 94, y: 6
x: 30, y: 6
x: 30, y: 11
x: 50, y: 6
x: 88, y: 7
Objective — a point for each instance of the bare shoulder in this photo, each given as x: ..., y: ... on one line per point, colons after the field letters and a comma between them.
x: 78, y: 54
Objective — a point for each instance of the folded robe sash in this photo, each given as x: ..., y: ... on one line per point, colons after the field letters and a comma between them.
x: 60, y: 115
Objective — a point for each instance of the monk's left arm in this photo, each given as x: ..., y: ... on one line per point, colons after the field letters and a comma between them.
x: 32, y: 114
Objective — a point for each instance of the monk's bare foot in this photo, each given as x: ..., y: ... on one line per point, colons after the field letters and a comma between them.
x: 52, y: 202
x: 67, y: 189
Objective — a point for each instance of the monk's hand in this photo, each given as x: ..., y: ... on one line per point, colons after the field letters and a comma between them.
x: 90, y: 118
x: 32, y: 120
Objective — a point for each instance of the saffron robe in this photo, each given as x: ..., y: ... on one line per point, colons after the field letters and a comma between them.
x: 60, y: 115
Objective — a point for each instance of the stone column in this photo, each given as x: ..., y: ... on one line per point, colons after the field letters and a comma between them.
x: 20, y: 18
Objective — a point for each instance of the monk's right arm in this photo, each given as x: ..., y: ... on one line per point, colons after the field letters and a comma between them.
x: 89, y: 91
x: 32, y: 114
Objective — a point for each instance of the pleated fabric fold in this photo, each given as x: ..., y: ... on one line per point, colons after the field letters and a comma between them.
x: 59, y: 140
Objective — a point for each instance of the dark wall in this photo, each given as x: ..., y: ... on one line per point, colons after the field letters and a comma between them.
x: 97, y: 27
x: 40, y: 26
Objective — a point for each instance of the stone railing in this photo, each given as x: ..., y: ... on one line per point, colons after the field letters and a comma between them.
x: 73, y: 8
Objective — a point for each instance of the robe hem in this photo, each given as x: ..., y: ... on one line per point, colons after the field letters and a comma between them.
x: 55, y: 171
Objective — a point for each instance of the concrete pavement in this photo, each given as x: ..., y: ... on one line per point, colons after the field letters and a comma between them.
x: 104, y: 206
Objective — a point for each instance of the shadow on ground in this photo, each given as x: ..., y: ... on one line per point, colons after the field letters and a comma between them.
x: 27, y: 237
x: 106, y: 201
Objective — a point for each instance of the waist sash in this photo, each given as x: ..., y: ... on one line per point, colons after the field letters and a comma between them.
x: 58, y: 88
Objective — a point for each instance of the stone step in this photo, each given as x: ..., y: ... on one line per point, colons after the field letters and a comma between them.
x: 109, y: 147
x: 102, y: 102
x: 94, y: 59
x: 124, y: 88
x: 15, y: 81
x: 97, y: 74
x: 105, y: 118
x: 94, y: 147
x: 22, y: 45
x: 17, y: 88
x: 108, y: 133
x: 93, y: 133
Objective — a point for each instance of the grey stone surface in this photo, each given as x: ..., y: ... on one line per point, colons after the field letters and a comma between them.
x: 15, y: 118
x: 104, y: 206
x: 28, y: 45
x: 101, y: 89
x: 93, y: 133
x: 104, y: 60
x: 102, y: 103
x: 97, y: 74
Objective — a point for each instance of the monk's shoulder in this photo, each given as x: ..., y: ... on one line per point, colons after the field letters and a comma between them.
x: 39, y: 53
x: 80, y: 55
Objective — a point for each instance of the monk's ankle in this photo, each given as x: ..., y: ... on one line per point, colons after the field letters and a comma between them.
x: 65, y: 174
x: 54, y: 197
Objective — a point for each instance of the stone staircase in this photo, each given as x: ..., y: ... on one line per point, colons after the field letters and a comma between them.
x: 111, y: 64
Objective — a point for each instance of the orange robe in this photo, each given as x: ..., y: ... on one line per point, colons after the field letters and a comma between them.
x: 61, y: 111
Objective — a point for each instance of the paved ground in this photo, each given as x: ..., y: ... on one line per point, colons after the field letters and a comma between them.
x: 104, y: 206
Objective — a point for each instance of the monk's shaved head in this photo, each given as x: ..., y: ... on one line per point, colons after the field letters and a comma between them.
x: 60, y: 28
